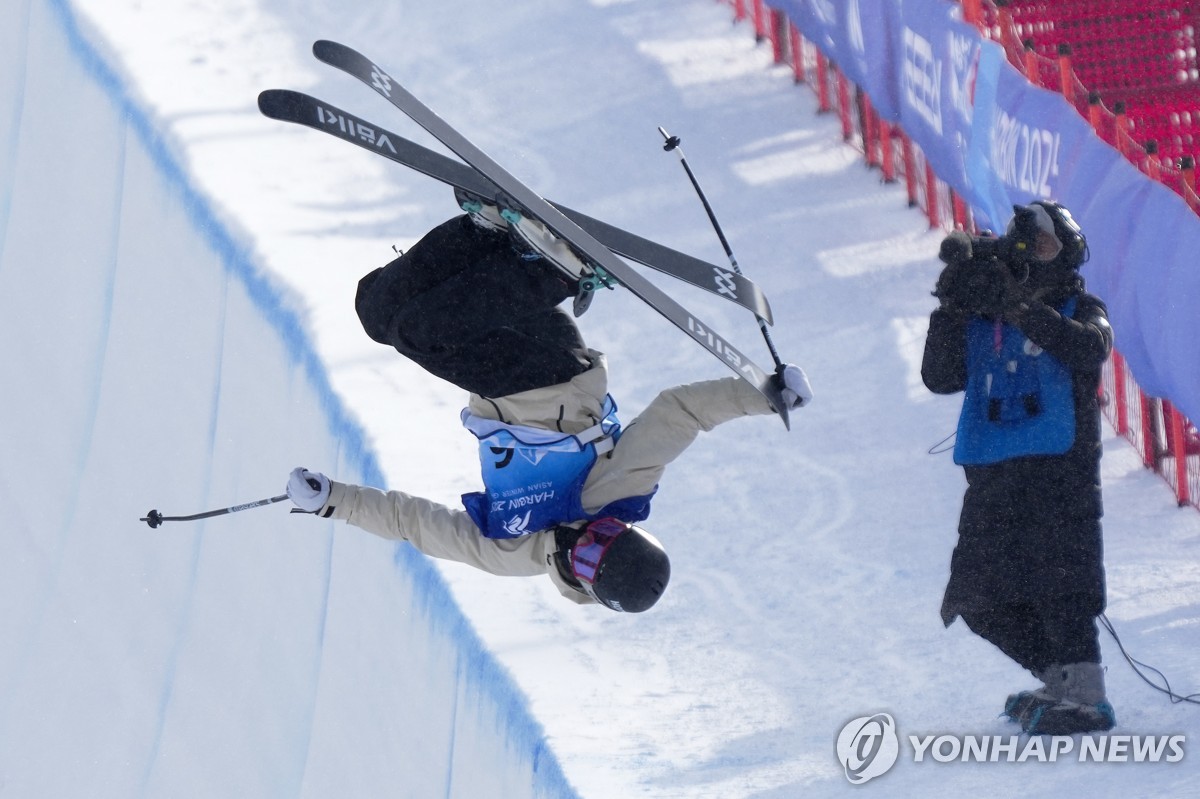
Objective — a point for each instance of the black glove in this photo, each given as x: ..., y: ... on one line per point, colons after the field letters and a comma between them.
x: 955, y: 248
x: 1018, y: 298
x: 973, y: 287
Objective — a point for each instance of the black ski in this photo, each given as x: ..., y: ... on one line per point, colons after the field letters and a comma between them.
x: 290, y: 106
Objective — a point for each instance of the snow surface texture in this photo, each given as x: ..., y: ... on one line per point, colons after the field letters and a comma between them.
x: 251, y: 655
x: 808, y: 566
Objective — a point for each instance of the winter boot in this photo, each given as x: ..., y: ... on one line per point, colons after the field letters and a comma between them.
x: 534, y: 237
x: 1083, y: 707
x: 536, y: 241
x: 1021, y: 705
x: 484, y: 214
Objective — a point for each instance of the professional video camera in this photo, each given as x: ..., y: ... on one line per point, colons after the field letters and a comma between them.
x: 1015, y: 247
x: 1000, y: 248
x: 981, y: 270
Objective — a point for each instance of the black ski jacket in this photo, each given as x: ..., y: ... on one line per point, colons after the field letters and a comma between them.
x: 468, y: 307
x: 1030, y: 526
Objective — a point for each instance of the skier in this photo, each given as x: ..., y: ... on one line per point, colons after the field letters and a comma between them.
x: 1017, y: 332
x: 476, y: 302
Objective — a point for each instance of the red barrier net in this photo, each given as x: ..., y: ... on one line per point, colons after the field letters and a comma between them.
x: 1135, y: 56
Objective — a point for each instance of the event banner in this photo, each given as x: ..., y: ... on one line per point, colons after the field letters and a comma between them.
x: 857, y: 35
x: 997, y: 141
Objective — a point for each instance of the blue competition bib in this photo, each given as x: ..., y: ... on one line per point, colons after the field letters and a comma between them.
x: 1019, y: 399
x: 533, y: 478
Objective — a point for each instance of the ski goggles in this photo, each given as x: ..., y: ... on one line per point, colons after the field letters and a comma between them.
x: 591, y: 547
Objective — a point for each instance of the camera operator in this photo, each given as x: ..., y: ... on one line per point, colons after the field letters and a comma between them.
x: 1019, y: 335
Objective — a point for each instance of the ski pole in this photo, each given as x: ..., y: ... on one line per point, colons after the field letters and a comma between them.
x: 672, y: 143
x: 154, y: 518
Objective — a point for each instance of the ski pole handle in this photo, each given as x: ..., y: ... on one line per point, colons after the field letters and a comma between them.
x: 154, y: 518
x: 672, y: 143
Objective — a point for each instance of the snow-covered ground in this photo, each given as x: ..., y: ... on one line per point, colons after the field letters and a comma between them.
x: 808, y: 565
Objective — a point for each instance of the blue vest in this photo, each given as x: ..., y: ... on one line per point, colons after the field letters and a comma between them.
x: 1019, y: 399
x: 533, y: 478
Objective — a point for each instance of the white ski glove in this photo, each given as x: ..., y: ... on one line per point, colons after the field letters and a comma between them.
x: 308, y: 490
x: 796, y: 391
